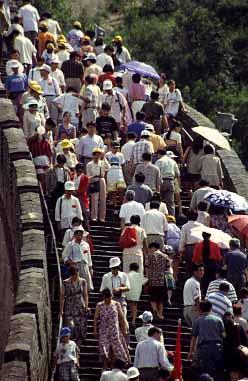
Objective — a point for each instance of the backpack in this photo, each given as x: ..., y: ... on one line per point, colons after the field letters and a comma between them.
x: 128, y: 238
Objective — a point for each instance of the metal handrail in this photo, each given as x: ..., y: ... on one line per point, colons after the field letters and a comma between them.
x: 56, y: 254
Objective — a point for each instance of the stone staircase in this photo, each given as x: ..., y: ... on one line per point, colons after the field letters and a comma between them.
x: 105, y: 239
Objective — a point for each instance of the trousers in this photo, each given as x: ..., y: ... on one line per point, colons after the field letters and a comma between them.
x: 98, y: 202
x: 167, y: 191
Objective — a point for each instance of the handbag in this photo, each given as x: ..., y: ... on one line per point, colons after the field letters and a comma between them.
x: 128, y: 238
x: 95, y: 186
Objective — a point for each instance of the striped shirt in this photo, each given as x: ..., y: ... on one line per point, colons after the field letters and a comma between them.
x: 220, y: 303
x: 143, y: 146
x: 214, y: 287
x: 72, y: 69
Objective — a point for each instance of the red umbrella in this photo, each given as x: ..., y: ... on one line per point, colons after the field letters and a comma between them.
x: 239, y: 224
x: 178, y: 368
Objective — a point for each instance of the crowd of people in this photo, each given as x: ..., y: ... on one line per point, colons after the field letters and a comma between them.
x: 97, y: 133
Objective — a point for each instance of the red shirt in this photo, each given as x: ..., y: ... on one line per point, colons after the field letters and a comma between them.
x: 214, y: 252
x: 82, y: 192
x: 106, y: 76
x: 40, y: 148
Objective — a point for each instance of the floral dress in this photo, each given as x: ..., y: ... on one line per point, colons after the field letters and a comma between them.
x: 74, y: 307
x: 110, y: 336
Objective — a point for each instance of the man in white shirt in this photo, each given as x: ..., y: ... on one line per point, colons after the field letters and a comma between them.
x: 88, y: 143
x: 66, y: 208
x: 105, y: 58
x: 121, y: 52
x: 173, y: 100
x: 127, y: 150
x: 192, y: 295
x: 51, y: 90
x: 188, y: 240
x: 34, y: 73
x: 57, y: 73
x: 130, y: 208
x: 25, y: 47
x: 117, y: 282
x: 29, y: 18
x: 169, y: 172
x: 53, y: 25
x: 116, y: 101
x: 150, y: 355
x: 200, y: 193
x: 155, y: 224
x: 141, y: 333
x: 67, y: 102
x: 116, y: 373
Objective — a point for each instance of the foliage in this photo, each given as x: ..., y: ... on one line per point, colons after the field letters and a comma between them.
x: 60, y: 9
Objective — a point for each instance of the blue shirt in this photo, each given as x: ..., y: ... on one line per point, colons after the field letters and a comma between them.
x: 137, y: 127
x: 16, y: 83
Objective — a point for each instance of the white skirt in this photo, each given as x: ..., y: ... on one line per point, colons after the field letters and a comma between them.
x: 41, y: 161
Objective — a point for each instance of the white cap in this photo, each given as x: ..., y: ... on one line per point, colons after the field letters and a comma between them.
x: 41, y: 130
x: 114, y: 262
x: 78, y: 228
x: 132, y: 373
x: 170, y: 154
x: 14, y: 64
x: 45, y: 67
x: 145, y: 133
x: 90, y: 56
x: 107, y: 85
x: 69, y: 186
x: 30, y: 103
x: 146, y: 316
x: 55, y: 59
x: 150, y: 127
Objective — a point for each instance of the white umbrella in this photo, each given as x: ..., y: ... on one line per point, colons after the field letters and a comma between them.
x: 213, y: 136
x: 217, y: 236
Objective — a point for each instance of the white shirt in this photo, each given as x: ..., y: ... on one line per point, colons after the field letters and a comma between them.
x: 97, y: 169
x: 124, y: 56
x: 69, y: 235
x: 113, y: 375
x: 87, y: 143
x: 71, y: 159
x: 71, y: 104
x: 30, y: 18
x: 127, y: 150
x: 69, y: 208
x: 130, y: 209
x: 63, y: 55
x: 172, y: 102
x: 162, y: 208
x: 168, y: 167
x: 115, y: 101
x: 77, y: 252
x: 74, y: 36
x: 115, y: 159
x: 199, y: 195
x: 186, y: 237
x: 8, y: 69
x: 141, y: 333
x: 34, y: 75
x: 163, y: 91
x: 59, y: 76
x: 191, y: 292
x: 25, y: 48
x: 104, y: 59
x: 53, y: 27
x: 176, y: 136
x: 110, y: 281
x: 154, y: 222
x: 50, y: 86
x: 150, y: 353
x: 66, y: 352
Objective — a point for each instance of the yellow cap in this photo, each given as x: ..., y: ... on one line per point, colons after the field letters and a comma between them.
x: 97, y: 150
x: 33, y: 85
x: 66, y: 143
x: 117, y: 38
x: 43, y: 24
x: 77, y: 23
x: 86, y: 38
x: 50, y: 45
x: 171, y: 218
x: 61, y: 38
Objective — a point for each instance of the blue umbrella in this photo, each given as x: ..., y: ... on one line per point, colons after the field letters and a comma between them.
x: 226, y: 199
x: 140, y: 68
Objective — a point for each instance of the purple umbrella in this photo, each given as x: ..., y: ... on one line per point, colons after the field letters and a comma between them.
x: 140, y: 68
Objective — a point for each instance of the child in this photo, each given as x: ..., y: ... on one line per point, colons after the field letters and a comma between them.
x: 66, y: 357
x: 203, y: 215
x: 170, y: 282
x: 115, y: 178
x: 137, y: 280
x: 244, y: 302
x: 106, y: 124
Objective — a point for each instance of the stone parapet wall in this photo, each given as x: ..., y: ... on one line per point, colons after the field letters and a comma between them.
x: 27, y: 335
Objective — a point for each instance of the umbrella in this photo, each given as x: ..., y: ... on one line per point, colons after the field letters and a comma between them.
x: 213, y: 136
x: 217, y: 236
x: 226, y: 199
x: 140, y: 68
x: 239, y: 222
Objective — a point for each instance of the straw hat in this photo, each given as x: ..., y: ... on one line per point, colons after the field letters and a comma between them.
x: 33, y: 85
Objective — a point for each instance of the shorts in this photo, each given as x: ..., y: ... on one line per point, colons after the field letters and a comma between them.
x: 116, y: 186
x: 170, y: 282
x: 177, y: 186
x: 158, y: 294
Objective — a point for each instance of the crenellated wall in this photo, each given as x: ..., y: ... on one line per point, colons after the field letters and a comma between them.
x: 25, y: 317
